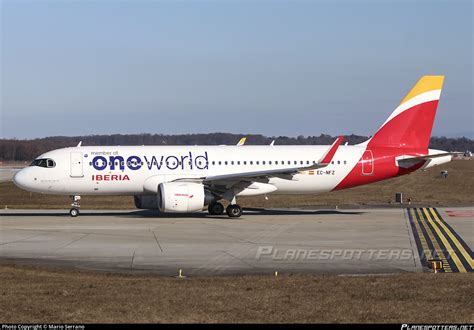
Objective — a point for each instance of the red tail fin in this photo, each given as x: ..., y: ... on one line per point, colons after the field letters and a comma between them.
x: 410, y: 125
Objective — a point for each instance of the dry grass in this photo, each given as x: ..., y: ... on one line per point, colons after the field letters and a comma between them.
x: 38, y: 295
x: 423, y: 187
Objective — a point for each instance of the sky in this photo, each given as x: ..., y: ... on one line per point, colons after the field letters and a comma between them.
x: 262, y: 67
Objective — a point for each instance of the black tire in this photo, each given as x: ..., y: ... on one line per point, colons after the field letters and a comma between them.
x: 234, y: 211
x: 215, y: 208
x: 74, y: 212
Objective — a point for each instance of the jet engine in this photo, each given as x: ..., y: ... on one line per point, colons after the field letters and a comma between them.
x: 180, y: 197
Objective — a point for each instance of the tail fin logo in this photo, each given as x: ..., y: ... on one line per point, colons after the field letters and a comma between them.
x: 411, y: 123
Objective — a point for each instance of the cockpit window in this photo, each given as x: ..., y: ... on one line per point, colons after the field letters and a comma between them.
x: 44, y: 162
x: 50, y: 163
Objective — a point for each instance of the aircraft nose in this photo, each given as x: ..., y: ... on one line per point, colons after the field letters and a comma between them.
x: 20, y: 179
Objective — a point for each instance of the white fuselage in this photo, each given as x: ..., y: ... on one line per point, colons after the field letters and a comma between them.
x: 134, y: 170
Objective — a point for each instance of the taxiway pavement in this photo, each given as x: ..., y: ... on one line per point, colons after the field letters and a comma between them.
x: 260, y: 242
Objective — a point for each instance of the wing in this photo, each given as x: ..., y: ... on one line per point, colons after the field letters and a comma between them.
x: 324, y: 161
x: 239, y: 181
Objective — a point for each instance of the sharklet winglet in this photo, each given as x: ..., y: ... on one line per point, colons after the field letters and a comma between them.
x: 327, y: 157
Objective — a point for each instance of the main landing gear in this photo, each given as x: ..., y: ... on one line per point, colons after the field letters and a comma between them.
x: 76, y: 205
x: 233, y: 210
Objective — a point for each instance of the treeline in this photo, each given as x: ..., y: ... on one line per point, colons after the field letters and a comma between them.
x: 26, y: 150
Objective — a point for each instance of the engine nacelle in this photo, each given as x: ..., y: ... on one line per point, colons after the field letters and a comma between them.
x: 176, y: 197
x: 183, y: 197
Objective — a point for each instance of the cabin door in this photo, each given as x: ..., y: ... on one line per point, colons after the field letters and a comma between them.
x: 77, y: 165
x: 368, y: 163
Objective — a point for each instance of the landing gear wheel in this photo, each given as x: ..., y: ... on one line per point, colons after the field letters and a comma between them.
x: 215, y: 208
x: 234, y: 211
x: 74, y: 212
x: 76, y: 204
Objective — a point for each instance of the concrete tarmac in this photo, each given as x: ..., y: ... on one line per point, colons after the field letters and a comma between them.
x: 260, y: 242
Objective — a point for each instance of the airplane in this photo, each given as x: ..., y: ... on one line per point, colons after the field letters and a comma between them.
x: 189, y: 178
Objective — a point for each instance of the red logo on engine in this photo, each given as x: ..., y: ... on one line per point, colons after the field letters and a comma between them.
x: 184, y: 195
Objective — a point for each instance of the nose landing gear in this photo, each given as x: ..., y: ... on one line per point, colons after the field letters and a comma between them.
x: 76, y: 205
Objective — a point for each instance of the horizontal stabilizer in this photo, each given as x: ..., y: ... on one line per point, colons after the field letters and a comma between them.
x: 409, y: 161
